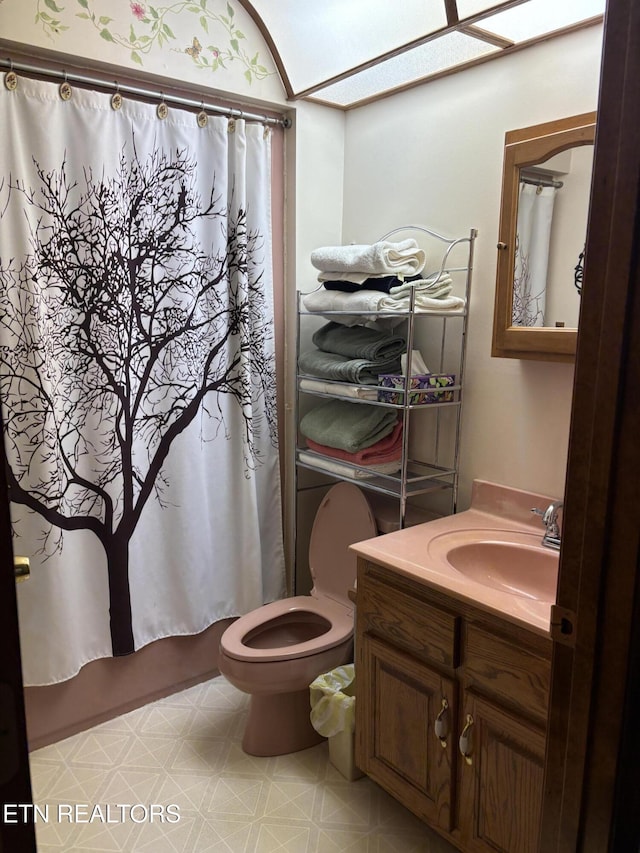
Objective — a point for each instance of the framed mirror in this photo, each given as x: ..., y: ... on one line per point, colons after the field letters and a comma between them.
x: 546, y: 185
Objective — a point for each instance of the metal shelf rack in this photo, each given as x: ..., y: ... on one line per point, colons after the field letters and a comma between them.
x: 416, y: 476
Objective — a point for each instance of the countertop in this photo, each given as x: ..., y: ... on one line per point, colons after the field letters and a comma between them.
x: 497, y: 512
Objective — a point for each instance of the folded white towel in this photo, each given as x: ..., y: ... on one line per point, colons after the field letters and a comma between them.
x: 363, y: 301
x: 343, y: 469
x: 435, y: 285
x: 423, y: 304
x: 341, y: 389
x: 383, y: 258
x: 372, y: 301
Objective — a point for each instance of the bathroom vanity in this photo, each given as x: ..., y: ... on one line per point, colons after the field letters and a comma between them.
x: 453, y: 663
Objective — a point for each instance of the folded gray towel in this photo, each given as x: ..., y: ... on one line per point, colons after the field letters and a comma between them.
x: 359, y: 342
x: 359, y: 371
x: 346, y: 425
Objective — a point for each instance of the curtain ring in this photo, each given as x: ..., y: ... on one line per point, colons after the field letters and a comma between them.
x: 116, y: 98
x: 11, y: 78
x: 267, y: 130
x: 231, y: 125
x: 162, y: 110
x: 202, y: 118
x: 65, y: 89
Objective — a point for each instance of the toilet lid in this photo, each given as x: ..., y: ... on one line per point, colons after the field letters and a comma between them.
x: 343, y: 517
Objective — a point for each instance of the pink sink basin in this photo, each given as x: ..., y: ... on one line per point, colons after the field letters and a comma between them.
x: 508, y: 561
x: 489, y: 556
x: 520, y: 570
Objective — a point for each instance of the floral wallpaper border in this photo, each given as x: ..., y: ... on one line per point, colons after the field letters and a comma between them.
x: 217, y: 43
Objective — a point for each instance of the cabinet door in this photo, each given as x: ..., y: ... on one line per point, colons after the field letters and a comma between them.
x: 397, y: 706
x: 501, y: 779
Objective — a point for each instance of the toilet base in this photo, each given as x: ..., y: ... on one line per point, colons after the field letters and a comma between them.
x: 278, y: 724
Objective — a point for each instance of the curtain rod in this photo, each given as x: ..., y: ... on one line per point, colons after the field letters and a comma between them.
x: 541, y: 182
x: 141, y: 92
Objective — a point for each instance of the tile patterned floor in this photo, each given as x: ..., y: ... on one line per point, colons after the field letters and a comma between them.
x: 185, y: 750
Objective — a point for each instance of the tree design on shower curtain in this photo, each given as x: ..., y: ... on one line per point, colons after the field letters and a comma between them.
x: 526, y: 310
x: 126, y: 327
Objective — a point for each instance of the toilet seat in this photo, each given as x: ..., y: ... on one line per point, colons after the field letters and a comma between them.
x: 339, y: 617
x: 343, y: 518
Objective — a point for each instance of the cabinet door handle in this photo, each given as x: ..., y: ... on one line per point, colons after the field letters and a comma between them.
x: 441, y: 725
x: 465, y: 743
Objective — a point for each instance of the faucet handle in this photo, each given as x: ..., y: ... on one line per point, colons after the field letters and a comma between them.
x: 549, y: 516
x: 550, y: 520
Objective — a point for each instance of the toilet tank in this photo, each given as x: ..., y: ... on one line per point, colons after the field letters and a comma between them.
x: 343, y: 518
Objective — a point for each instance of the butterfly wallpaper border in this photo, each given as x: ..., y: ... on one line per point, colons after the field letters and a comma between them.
x: 217, y: 44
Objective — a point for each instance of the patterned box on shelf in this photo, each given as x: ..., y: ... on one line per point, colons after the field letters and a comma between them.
x: 422, y: 388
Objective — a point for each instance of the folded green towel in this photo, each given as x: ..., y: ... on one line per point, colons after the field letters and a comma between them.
x: 359, y: 342
x: 341, y: 368
x: 346, y: 425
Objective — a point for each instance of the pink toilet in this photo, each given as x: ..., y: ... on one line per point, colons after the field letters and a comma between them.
x: 276, y: 651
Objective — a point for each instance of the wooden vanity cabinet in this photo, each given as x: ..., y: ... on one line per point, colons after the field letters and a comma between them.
x: 501, y: 790
x: 435, y: 679
x: 403, y: 698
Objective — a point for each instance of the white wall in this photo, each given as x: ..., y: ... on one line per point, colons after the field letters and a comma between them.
x: 319, y: 171
x: 315, y: 192
x: 433, y: 155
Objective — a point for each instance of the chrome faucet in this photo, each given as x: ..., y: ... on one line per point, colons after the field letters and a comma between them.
x: 549, y: 517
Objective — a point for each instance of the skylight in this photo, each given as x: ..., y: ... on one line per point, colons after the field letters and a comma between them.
x: 423, y: 61
x: 346, y: 52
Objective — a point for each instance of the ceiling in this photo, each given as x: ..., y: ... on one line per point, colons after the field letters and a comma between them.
x: 349, y: 52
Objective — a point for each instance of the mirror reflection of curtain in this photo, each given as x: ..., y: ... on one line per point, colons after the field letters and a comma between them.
x: 533, y: 234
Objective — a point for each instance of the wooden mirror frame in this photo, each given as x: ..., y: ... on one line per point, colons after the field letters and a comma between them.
x: 523, y: 148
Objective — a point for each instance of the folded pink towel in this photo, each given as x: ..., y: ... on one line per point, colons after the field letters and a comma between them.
x: 388, y: 449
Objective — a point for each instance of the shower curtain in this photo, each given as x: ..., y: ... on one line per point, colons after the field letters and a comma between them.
x: 533, y: 235
x: 136, y: 372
